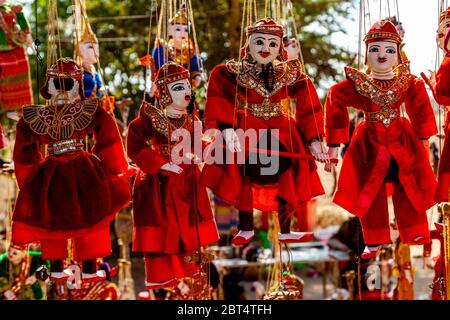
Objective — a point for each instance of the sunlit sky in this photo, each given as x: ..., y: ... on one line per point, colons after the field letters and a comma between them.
x: 419, y: 19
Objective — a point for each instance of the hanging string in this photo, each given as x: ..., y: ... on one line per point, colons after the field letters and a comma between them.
x: 397, y: 10
x: 361, y: 12
x: 37, y: 44
x: 194, y: 33
x: 153, y: 5
x: 368, y: 13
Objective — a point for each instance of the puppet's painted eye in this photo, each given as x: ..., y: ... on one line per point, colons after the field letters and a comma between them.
x: 391, y: 51
x: 178, y: 87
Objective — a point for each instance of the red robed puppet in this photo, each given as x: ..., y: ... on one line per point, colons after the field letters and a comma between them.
x: 172, y: 213
x: 386, y: 147
x: 260, y: 81
x: 66, y: 192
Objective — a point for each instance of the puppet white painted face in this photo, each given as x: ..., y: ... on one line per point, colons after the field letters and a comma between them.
x: 264, y: 48
x: 443, y: 29
x: 382, y: 56
x: 181, y: 94
x: 89, y: 53
x: 63, y: 91
x: 179, y: 33
x: 15, y: 256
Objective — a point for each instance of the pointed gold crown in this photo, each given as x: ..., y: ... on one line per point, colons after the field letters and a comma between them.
x: 180, y: 17
x: 87, y: 35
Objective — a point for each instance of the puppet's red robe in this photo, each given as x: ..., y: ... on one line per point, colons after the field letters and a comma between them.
x: 378, y: 147
x: 168, y: 219
x: 227, y: 93
x: 442, y: 96
x: 70, y: 194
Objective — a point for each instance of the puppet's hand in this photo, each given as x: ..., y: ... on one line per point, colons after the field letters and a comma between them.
x: 172, y: 167
x: 431, y: 80
x: 232, y: 140
x: 9, y: 295
x: 333, y: 154
x: 319, y: 151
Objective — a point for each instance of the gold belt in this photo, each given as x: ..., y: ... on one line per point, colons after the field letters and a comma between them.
x: 65, y: 146
x: 265, y: 110
x: 386, y: 115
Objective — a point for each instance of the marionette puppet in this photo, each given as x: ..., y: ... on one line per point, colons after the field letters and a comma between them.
x: 89, y: 51
x: 179, y: 48
x: 68, y: 193
x: 17, y: 274
x: 386, y: 147
x: 15, y: 37
x: 440, y: 86
x: 260, y: 80
x: 172, y: 212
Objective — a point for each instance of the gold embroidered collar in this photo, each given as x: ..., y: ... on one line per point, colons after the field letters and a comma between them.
x: 75, y: 117
x: 286, y: 73
x: 382, y: 96
x: 163, y: 124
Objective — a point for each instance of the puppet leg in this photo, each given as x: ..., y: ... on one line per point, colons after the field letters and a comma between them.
x: 56, y: 252
x: 160, y: 271
x: 284, y: 218
x: 245, y: 207
x: 412, y: 225
x: 375, y: 223
x: 90, y: 247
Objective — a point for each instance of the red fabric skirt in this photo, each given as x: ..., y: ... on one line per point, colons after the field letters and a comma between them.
x: 167, y: 216
x: 15, y: 82
x: 67, y: 197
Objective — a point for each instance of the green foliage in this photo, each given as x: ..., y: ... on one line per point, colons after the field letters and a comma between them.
x: 218, y: 26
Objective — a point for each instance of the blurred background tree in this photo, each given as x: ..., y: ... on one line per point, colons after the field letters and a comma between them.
x: 122, y: 29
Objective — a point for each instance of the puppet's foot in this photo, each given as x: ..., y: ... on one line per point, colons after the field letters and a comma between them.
x: 243, y: 237
x: 292, y: 237
x: 160, y: 285
x: 60, y: 277
x: 439, y: 226
x: 370, y: 252
x: 94, y: 277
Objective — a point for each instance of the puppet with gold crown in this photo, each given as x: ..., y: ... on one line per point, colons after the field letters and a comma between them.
x: 89, y: 52
x: 387, y: 147
x: 172, y: 212
x: 179, y: 47
x: 15, y: 37
x: 247, y: 95
x: 67, y: 193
